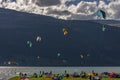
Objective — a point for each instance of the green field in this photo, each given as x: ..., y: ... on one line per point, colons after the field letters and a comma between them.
x: 17, y: 78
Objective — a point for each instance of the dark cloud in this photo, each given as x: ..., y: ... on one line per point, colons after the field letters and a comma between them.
x: 57, y: 12
x: 8, y: 1
x: 47, y: 2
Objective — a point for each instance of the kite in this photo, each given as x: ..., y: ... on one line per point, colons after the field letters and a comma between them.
x: 29, y: 43
x: 38, y: 39
x: 103, y: 28
x: 65, y: 31
x: 58, y: 54
x: 81, y: 56
x: 101, y: 13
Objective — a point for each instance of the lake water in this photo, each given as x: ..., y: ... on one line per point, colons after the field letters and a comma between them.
x: 7, y: 72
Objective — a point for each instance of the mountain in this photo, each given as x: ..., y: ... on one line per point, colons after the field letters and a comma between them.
x: 84, y: 45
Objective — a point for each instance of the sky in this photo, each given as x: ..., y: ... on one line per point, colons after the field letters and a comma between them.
x: 66, y: 9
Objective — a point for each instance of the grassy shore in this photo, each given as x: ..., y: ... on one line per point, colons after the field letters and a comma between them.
x: 18, y: 78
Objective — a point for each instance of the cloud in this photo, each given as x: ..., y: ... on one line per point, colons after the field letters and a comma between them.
x: 37, y: 2
x: 47, y: 2
x: 59, y: 9
x: 58, y: 12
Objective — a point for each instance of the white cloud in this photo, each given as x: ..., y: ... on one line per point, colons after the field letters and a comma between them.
x: 58, y: 9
